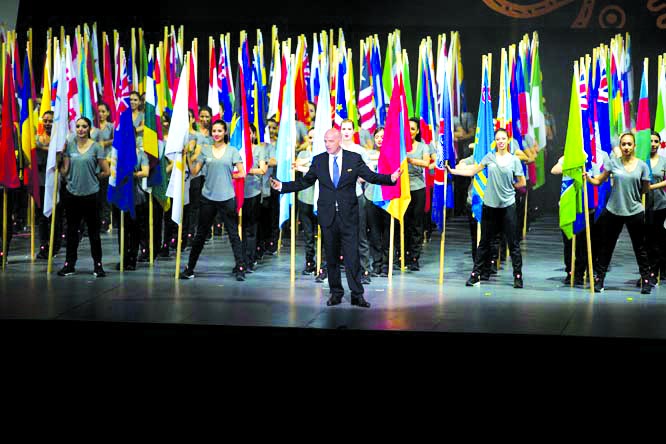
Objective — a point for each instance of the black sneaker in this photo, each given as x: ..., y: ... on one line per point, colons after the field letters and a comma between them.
x: 66, y: 270
x: 187, y: 273
x: 598, y: 284
x: 365, y: 278
x: 414, y: 266
x: 518, y: 281
x: 99, y: 271
x: 567, y: 279
x: 647, y: 288
x: 321, y: 277
x: 473, y: 281
x: 240, y: 274
x: 384, y: 272
x: 309, y: 269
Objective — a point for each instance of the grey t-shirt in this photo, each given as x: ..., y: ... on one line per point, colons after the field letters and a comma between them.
x: 416, y: 180
x: 469, y: 161
x: 141, y: 161
x: 365, y: 138
x: 202, y: 139
x: 307, y: 195
x: 625, y: 198
x: 82, y: 178
x: 373, y: 160
x: 140, y: 117
x: 102, y: 135
x: 269, y: 151
x: 364, y: 155
x: 42, y: 158
x: 500, y: 192
x: 658, y: 175
x: 219, y: 182
x: 252, y: 181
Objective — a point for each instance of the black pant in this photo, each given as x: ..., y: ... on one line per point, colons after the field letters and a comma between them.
x: 656, y: 241
x: 135, y: 230
x: 379, y: 224
x: 82, y: 208
x: 342, y: 236
x: 250, y: 217
x: 169, y: 231
x: 207, y: 211
x: 268, y: 231
x: 493, y: 221
x: 196, y: 185
x: 581, y: 254
x: 494, y: 243
x: 11, y: 197
x: 309, y: 223
x: 103, y: 202
x: 612, y: 225
x: 158, y: 221
x: 44, y: 225
x: 414, y: 225
x: 520, y: 213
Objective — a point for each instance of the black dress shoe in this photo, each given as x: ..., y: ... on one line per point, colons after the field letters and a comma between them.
x: 360, y: 302
x: 334, y: 300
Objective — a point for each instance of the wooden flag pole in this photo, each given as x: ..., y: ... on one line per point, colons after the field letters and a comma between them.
x: 122, y: 241
x: 151, y: 233
x: 573, y: 260
x: 588, y: 239
x: 49, y: 264
x: 4, y: 228
x: 293, y: 240
x: 31, y: 208
x: 240, y: 224
x: 318, y: 248
x: 441, y: 244
x: 391, y: 249
x: 402, y: 245
x: 182, y: 201
x: 527, y: 195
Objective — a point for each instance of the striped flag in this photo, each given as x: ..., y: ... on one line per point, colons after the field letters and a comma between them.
x: 366, y: 97
x: 482, y: 146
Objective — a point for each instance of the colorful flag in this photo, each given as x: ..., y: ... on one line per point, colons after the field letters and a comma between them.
x: 28, y: 141
x: 300, y: 87
x: 443, y: 198
x: 178, y: 135
x: 393, y: 154
x: 108, y: 91
x: 46, y: 91
x: 59, y: 130
x: 322, y: 122
x: 377, y: 83
x: 482, y: 146
x: 643, y: 129
x: 151, y: 120
x: 224, y: 84
x: 341, y: 93
x: 123, y: 150
x: 366, y: 99
x: 286, y: 143
x: 660, y: 112
x: 9, y: 177
x: 213, y: 83
x: 536, y: 97
x: 574, y: 161
x: 72, y: 91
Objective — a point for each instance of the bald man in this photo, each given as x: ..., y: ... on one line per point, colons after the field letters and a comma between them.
x: 337, y: 171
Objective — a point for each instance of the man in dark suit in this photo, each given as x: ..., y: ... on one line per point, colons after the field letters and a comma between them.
x: 337, y: 171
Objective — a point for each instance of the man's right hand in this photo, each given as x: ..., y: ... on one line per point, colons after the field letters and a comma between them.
x: 276, y: 184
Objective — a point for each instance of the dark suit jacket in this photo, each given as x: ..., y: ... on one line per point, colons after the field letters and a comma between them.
x: 352, y: 168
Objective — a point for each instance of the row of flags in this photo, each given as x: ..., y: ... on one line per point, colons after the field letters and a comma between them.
x: 601, y: 109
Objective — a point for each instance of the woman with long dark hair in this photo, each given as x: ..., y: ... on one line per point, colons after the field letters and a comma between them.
x: 505, y: 175
x: 631, y: 179
x: 81, y: 158
x: 217, y: 163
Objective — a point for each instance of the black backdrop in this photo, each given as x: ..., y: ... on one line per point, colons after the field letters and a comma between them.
x: 567, y: 30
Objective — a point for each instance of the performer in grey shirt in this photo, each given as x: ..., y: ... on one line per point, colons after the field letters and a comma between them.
x: 631, y: 179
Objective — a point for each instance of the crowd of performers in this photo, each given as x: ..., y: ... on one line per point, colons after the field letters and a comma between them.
x: 212, y: 164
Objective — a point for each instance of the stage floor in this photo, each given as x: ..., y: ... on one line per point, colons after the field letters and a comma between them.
x: 414, y: 301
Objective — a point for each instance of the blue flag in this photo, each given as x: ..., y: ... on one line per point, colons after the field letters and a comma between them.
x: 485, y: 131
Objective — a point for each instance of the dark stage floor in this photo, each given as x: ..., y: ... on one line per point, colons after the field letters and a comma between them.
x: 151, y: 298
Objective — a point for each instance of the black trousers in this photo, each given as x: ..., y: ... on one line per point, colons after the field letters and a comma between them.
x: 135, y: 230
x: 339, y: 236
x: 250, y: 219
x: 169, y: 231
x: 44, y: 225
x: 158, y: 222
x: 414, y: 226
x: 494, y: 221
x: 612, y: 225
x: 82, y: 208
x: 11, y: 197
x: 207, y: 211
x: 268, y: 231
x: 103, y: 202
x: 581, y: 254
x: 196, y: 185
x: 656, y: 241
x: 309, y: 223
x: 379, y: 225
x: 494, y: 243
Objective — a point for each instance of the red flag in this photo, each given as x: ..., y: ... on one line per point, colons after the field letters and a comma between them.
x: 192, y: 102
x: 8, y: 173
x: 109, y: 95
